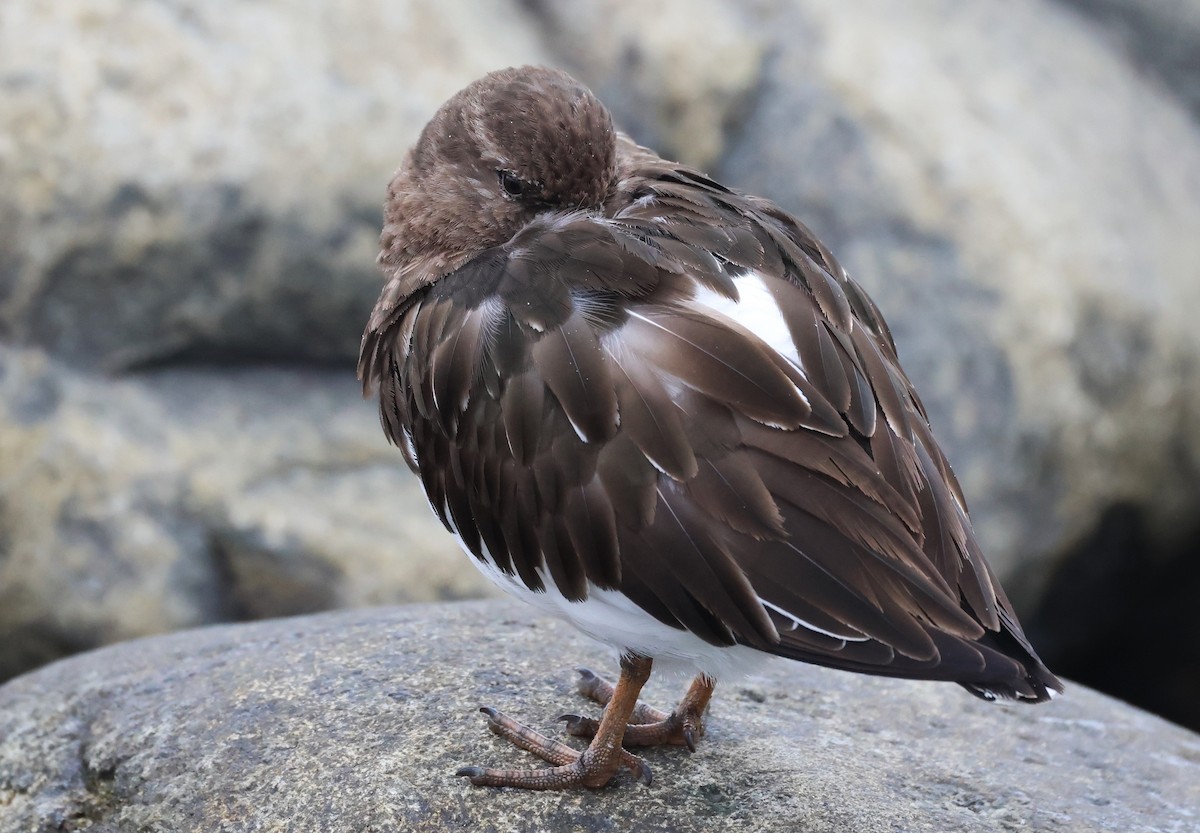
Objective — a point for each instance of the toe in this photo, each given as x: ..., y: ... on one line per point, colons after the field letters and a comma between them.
x: 579, y: 726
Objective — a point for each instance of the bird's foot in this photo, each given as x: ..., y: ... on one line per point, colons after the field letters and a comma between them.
x: 599, y: 690
x: 676, y: 729
x: 648, y: 726
x: 595, y: 766
x: 572, y: 768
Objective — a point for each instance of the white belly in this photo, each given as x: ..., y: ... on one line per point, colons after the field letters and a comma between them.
x: 614, y: 621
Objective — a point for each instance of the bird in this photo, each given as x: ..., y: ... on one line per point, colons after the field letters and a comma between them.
x: 660, y: 408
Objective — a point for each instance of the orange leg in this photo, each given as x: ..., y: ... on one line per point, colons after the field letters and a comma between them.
x: 648, y: 726
x: 595, y: 766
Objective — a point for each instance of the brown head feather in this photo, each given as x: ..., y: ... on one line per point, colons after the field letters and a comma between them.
x: 495, y: 155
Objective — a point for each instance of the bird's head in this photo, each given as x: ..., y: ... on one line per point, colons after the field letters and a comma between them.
x: 512, y: 145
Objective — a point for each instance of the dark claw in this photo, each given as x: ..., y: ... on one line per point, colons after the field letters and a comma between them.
x: 689, y: 738
x: 470, y: 771
x: 587, y: 682
x: 644, y: 774
x: 493, y: 717
x: 578, y: 725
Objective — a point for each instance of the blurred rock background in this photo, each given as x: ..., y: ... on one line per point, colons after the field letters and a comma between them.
x: 189, y: 206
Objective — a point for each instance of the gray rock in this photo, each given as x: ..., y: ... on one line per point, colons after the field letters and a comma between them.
x: 357, y: 722
x: 1161, y: 36
x: 186, y: 497
x: 203, y: 180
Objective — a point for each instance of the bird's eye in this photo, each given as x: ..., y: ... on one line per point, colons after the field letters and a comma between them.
x: 514, y: 186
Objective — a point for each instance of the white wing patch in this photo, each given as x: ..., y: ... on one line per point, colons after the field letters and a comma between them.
x: 757, y: 311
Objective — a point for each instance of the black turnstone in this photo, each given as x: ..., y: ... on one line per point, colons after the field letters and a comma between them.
x: 660, y: 409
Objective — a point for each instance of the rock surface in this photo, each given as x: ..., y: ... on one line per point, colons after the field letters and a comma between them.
x: 357, y: 722
x: 179, y: 498
x: 202, y: 179
x: 1161, y: 36
x: 1016, y: 190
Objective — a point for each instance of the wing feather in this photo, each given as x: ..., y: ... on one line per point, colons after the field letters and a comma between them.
x: 716, y: 360
x: 570, y: 361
